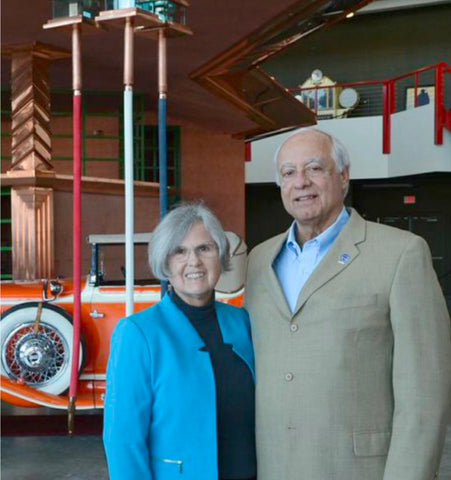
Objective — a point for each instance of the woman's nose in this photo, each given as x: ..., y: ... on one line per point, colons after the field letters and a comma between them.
x: 193, y: 257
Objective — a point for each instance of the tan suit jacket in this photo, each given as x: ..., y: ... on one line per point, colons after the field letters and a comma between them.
x: 356, y: 383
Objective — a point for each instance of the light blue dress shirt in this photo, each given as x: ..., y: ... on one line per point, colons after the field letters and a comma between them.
x: 294, y: 265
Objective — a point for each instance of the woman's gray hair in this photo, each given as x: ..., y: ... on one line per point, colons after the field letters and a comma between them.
x: 170, y: 232
x: 340, y: 154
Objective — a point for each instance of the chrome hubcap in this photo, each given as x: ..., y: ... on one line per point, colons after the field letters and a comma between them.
x: 35, y: 358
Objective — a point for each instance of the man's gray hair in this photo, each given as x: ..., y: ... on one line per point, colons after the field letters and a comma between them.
x: 340, y: 154
x: 170, y: 232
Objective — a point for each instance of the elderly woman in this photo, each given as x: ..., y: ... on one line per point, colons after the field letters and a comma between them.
x: 180, y: 381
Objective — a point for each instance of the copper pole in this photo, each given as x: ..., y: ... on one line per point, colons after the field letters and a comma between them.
x: 162, y: 63
x: 76, y: 59
x: 128, y: 52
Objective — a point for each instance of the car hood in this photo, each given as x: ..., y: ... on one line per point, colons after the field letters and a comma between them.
x: 23, y: 291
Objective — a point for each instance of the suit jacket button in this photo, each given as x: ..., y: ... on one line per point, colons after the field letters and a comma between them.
x: 294, y: 327
x: 288, y: 377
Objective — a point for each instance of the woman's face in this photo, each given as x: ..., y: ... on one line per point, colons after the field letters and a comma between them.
x: 195, y: 266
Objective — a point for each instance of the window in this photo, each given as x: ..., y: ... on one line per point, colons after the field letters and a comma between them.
x: 6, y: 247
x: 147, y: 165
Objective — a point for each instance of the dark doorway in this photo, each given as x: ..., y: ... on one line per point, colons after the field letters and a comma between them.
x: 420, y: 204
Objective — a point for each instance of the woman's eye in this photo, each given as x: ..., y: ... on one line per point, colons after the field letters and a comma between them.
x: 179, y: 251
x: 204, y: 248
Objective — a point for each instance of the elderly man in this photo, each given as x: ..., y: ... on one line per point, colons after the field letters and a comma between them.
x: 351, y: 334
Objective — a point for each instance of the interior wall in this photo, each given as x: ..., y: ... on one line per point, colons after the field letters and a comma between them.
x: 369, y: 47
x: 102, y: 213
x: 212, y: 169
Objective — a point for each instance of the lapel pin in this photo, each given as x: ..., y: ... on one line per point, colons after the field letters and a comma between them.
x: 344, y: 258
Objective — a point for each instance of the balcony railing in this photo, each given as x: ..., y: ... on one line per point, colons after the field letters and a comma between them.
x: 431, y: 84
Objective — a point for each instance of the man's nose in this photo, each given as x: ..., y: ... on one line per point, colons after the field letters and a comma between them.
x: 301, y: 178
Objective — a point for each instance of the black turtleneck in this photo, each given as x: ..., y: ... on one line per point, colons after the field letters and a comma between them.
x: 235, y: 410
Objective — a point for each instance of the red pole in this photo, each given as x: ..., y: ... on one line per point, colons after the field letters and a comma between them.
x: 439, y: 103
x: 77, y: 168
x: 76, y: 240
x: 386, y: 118
x: 392, y: 96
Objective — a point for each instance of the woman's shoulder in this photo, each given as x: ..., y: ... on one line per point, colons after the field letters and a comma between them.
x: 231, y: 310
x: 147, y: 320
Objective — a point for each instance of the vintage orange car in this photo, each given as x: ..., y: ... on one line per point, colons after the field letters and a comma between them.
x: 36, y: 323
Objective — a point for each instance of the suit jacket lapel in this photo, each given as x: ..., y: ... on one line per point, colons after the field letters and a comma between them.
x: 342, y: 253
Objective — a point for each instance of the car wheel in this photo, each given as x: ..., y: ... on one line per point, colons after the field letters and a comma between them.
x: 41, y: 359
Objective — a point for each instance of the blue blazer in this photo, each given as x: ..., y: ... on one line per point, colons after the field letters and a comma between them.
x: 160, y: 404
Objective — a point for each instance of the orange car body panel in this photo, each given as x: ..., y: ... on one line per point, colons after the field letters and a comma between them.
x: 102, y: 308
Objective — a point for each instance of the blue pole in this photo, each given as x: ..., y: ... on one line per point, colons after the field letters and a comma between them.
x: 163, y: 155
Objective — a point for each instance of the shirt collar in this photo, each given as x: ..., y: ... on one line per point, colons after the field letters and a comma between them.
x: 324, y: 239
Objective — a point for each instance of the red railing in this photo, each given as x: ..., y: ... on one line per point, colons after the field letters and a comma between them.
x: 385, y: 97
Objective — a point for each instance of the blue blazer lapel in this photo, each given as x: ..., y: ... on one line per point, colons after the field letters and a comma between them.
x: 235, y: 329
x: 187, y: 332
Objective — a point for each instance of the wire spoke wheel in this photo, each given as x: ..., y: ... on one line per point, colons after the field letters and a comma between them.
x: 37, y: 355
x: 35, y: 358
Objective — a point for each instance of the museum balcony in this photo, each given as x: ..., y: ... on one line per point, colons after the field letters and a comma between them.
x: 392, y: 127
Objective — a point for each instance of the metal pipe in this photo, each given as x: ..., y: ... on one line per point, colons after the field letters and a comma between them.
x: 162, y: 133
x: 415, y: 92
x: 128, y: 52
x: 77, y: 168
x: 76, y: 58
x: 162, y: 63
x: 386, y: 119
x: 439, y: 102
x: 128, y: 167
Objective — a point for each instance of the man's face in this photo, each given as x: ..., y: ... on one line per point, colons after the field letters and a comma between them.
x: 311, y: 186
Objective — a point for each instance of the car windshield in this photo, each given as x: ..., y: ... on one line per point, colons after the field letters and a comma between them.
x: 111, y: 265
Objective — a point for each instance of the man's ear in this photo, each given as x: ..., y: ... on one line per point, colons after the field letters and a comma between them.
x: 345, y: 180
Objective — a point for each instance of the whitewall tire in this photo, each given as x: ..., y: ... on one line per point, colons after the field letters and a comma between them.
x: 39, y: 359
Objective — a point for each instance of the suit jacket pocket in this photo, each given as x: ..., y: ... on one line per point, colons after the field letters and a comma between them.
x: 371, y: 444
x: 164, y: 466
x: 356, y: 301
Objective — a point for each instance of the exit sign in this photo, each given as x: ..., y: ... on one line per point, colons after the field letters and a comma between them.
x: 410, y: 199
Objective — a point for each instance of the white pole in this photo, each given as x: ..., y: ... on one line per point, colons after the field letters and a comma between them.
x: 128, y: 167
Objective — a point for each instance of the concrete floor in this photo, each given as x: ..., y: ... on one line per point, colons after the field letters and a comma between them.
x: 82, y: 458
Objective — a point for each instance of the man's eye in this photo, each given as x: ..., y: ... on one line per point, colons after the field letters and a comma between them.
x: 287, y: 173
x: 314, y: 169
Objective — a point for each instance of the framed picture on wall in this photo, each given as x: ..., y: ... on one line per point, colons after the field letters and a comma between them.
x: 425, y: 94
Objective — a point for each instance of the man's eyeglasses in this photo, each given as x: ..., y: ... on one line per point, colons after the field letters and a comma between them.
x: 205, y: 250
x: 312, y: 170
